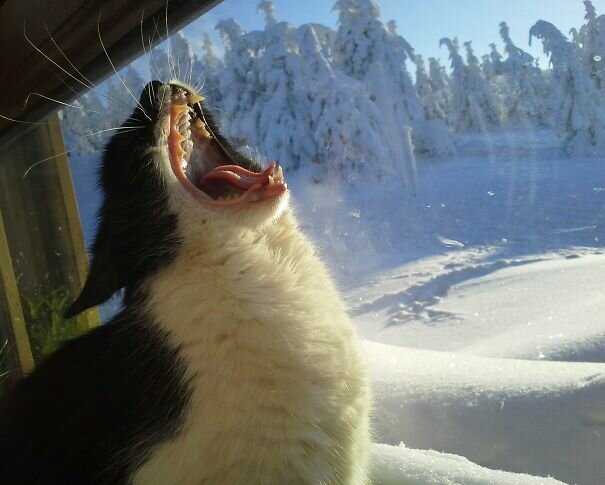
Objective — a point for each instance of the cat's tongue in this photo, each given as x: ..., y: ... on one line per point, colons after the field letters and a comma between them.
x: 239, y: 177
x: 228, y: 184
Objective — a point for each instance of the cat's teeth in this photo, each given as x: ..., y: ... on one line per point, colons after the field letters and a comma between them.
x: 280, y: 174
x: 271, y: 180
x: 194, y: 98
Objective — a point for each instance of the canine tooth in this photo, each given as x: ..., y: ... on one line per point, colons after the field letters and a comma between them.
x: 194, y: 98
x: 280, y: 173
x: 271, y: 180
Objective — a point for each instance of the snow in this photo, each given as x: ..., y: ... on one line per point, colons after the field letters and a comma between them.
x: 462, y: 216
x: 398, y: 465
x: 536, y: 417
x: 480, y: 306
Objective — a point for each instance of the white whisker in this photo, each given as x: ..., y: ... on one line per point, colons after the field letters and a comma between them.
x: 30, y: 122
x: 55, y: 101
x: 51, y: 61
x: 91, y: 85
x: 170, y: 63
x: 121, y: 129
x: 116, y: 72
x: 148, y: 55
x: 60, y: 67
x: 34, y: 165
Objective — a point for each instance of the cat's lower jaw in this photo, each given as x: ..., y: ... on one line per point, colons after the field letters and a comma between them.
x: 279, y: 393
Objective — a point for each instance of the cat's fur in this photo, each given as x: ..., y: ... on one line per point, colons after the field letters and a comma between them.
x: 232, y: 362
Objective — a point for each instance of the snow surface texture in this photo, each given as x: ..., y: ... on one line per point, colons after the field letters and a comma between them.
x: 467, y: 242
x: 398, y: 465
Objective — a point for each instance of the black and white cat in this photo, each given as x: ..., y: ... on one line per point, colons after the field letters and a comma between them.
x: 233, y: 360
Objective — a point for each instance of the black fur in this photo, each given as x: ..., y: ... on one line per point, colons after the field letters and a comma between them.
x: 137, y: 232
x: 93, y: 411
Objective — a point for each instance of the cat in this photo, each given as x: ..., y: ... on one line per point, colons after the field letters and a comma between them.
x: 232, y: 360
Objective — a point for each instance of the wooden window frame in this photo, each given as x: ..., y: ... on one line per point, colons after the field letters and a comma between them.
x: 74, y: 25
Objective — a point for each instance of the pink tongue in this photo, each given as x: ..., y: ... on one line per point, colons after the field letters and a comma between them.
x: 237, y: 176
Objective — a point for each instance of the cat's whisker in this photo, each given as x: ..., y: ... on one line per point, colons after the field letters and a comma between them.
x: 7, y: 118
x: 150, y: 93
x: 40, y: 51
x: 39, y: 162
x: 51, y: 61
x: 170, y: 63
x: 115, y: 71
x: 120, y: 129
x: 58, y: 102
x: 90, y: 84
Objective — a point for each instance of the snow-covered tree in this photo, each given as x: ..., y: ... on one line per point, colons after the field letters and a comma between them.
x: 268, y: 8
x: 346, y: 124
x: 591, y: 38
x: 123, y: 92
x: 491, y: 64
x: 365, y: 49
x: 238, y: 81
x: 181, y: 59
x: 472, y: 106
x: 432, y: 101
x: 576, y: 101
x: 527, y: 89
x: 284, y: 125
x: 440, y: 83
x: 160, y: 65
x: 483, y: 101
x: 359, y: 35
x: 206, y: 72
x: 87, y: 126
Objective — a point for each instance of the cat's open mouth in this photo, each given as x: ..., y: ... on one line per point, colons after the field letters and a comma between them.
x: 203, y: 166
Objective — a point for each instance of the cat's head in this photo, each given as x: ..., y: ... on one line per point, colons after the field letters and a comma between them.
x: 170, y: 179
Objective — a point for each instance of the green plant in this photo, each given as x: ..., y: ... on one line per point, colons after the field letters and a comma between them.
x: 4, y: 366
x: 46, y: 326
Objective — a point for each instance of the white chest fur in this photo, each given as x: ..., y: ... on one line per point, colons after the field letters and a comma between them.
x: 279, y: 393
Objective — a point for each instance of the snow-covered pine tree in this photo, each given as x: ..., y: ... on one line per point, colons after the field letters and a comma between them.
x: 83, y: 127
x: 283, y: 108
x: 206, y: 72
x: 159, y: 64
x: 346, y: 124
x: 576, y: 100
x: 440, y: 83
x: 238, y: 82
x: 591, y: 38
x: 181, y: 59
x: 268, y: 8
x: 472, y: 106
x: 484, y: 102
x: 491, y: 64
x: 376, y: 55
x: 122, y: 94
x: 431, y: 101
x: 526, y: 86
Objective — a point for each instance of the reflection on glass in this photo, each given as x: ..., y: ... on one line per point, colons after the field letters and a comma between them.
x: 451, y: 174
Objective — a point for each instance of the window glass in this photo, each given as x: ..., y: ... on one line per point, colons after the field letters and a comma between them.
x: 451, y: 175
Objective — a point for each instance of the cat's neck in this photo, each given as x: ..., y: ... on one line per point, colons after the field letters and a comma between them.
x: 248, y: 275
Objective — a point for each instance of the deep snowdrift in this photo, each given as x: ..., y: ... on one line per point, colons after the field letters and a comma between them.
x: 398, y: 465
x: 541, y: 418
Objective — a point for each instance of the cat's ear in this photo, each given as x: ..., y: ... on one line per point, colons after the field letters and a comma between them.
x: 103, y: 279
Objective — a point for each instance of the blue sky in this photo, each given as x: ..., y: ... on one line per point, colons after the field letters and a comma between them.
x: 421, y: 22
